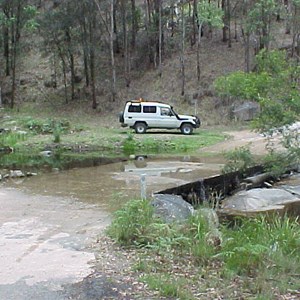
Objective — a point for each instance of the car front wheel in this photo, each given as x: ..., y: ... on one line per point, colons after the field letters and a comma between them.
x: 140, y: 128
x: 186, y: 129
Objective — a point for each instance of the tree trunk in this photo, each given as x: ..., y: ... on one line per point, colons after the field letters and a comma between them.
x: 125, y: 42
x: 16, y: 27
x: 113, y: 67
x: 147, y: 26
x: 92, y: 26
x: 6, y: 53
x: 229, y: 23
x: 247, y: 52
x: 225, y: 26
x: 198, y: 51
x: 160, y: 39
x: 115, y: 29
x: 71, y: 61
x: 134, y: 25
x: 85, y: 46
x: 195, y: 22
x: 182, y: 56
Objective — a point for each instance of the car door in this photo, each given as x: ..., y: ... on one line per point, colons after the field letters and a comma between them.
x: 167, y: 119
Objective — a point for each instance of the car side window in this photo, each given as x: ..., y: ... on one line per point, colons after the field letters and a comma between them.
x: 164, y: 111
x: 149, y: 109
x: 135, y: 108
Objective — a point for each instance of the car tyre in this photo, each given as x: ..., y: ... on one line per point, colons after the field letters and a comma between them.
x: 140, y: 127
x: 186, y: 129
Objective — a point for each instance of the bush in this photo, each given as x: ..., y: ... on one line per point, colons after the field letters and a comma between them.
x: 256, y: 243
x: 131, y: 223
x: 239, y: 160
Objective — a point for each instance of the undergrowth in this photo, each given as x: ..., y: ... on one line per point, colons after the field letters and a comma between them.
x: 263, y: 252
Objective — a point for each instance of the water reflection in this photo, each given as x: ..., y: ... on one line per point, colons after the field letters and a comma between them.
x: 109, y: 186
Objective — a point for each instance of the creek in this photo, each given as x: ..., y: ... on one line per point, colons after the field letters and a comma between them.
x: 50, y: 223
x: 109, y: 186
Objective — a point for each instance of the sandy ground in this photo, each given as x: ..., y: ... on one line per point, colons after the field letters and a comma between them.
x: 256, y: 142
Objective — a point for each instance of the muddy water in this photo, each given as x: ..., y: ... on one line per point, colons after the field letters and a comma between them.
x: 109, y: 186
x: 50, y: 223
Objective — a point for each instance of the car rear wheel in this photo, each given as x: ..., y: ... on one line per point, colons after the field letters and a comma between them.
x: 140, y: 127
x: 186, y: 129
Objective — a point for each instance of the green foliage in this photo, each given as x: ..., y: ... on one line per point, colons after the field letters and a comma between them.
x: 199, y: 232
x: 241, y: 85
x: 132, y: 222
x: 273, y: 115
x: 256, y: 242
x: 57, y: 133
x: 259, y: 15
x: 168, y: 286
x: 239, y: 159
x: 11, y: 139
x: 49, y: 126
x: 272, y: 62
x: 30, y: 13
x: 276, y: 163
x: 262, y: 247
x: 210, y: 14
x: 275, y: 86
x: 149, y: 144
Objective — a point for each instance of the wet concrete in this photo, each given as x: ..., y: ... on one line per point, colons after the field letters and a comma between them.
x: 49, y: 224
x: 45, y: 243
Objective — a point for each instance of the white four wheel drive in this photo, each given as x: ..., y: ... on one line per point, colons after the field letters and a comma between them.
x: 143, y: 115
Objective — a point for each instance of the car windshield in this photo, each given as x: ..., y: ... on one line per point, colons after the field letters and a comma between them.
x: 174, y: 113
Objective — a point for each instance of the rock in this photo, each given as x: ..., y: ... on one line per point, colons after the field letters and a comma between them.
x: 257, y: 180
x: 260, y: 200
x: 16, y: 174
x: 171, y: 208
x: 210, y: 216
x: 246, y: 111
x: 295, y: 190
x: 46, y: 153
x: 30, y: 174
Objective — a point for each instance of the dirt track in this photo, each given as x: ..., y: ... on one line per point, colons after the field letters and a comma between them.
x: 256, y: 142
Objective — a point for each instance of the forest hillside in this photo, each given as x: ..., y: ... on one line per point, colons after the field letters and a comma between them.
x: 93, y: 56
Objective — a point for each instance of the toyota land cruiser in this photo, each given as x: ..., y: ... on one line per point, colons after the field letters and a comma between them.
x: 144, y: 115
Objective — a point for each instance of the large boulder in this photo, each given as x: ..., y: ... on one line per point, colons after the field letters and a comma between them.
x: 262, y: 200
x: 171, y: 208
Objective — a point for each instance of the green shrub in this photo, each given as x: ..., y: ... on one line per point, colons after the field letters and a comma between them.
x: 131, y: 223
x: 239, y: 159
x: 256, y: 243
x: 11, y: 138
x: 47, y: 126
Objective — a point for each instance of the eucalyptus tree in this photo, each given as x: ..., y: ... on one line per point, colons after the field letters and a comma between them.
x: 15, y: 17
x: 87, y: 17
x: 59, y: 29
x: 256, y: 23
x: 208, y: 13
x: 295, y: 22
x: 106, y: 13
x: 182, y: 54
